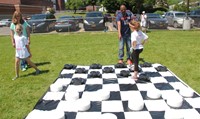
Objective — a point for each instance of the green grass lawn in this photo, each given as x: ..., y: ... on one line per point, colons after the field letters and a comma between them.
x: 178, y: 50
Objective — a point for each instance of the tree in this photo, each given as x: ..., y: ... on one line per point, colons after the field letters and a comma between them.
x: 74, y: 4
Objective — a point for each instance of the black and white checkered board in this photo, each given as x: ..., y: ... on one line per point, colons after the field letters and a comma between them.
x: 121, y: 90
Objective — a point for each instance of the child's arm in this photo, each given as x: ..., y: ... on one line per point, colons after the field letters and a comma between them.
x: 134, y: 43
x: 27, y: 46
x: 144, y: 41
x: 12, y: 38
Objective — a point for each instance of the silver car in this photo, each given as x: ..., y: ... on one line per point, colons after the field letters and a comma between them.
x: 176, y: 18
x: 5, y: 22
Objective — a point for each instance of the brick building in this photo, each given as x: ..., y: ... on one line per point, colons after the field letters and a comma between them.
x: 27, y: 7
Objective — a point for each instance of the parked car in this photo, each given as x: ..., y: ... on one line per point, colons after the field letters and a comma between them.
x: 79, y: 19
x: 155, y: 21
x: 176, y: 18
x: 5, y: 22
x: 94, y: 21
x: 42, y: 22
x: 108, y: 17
x: 66, y: 23
x: 195, y: 15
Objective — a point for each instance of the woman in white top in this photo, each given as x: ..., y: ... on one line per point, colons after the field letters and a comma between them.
x: 22, y: 50
x: 143, y: 22
x: 138, y: 39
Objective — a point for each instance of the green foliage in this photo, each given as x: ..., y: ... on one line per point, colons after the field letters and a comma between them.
x: 180, y: 7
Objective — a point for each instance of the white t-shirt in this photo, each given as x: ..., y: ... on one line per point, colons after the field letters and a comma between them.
x: 139, y: 37
x: 20, y: 46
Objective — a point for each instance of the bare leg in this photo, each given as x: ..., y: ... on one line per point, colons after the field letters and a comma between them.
x: 17, y: 61
x: 31, y: 64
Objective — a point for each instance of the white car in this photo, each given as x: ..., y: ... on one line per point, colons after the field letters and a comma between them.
x: 5, y: 22
x: 176, y: 19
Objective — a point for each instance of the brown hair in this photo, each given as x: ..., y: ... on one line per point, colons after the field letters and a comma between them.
x: 135, y: 25
x: 14, y: 18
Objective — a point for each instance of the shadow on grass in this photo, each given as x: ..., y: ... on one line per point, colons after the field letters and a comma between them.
x: 33, y: 73
x: 42, y: 63
x: 142, y: 60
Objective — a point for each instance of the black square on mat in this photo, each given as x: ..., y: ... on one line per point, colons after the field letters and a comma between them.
x: 157, y: 114
x: 95, y: 106
x: 110, y: 81
x: 70, y: 115
x: 163, y: 86
x: 171, y: 79
x: 115, y: 95
x: 94, y: 87
x: 127, y: 87
x: 46, y: 104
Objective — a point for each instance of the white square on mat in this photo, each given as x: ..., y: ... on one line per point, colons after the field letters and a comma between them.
x: 109, y: 75
x: 88, y: 115
x: 67, y: 106
x: 128, y: 80
x: 63, y: 82
x: 194, y: 102
x: 53, y: 96
x: 112, y: 106
x: 167, y: 73
x: 80, y: 76
x: 94, y: 81
x: 67, y: 71
x: 156, y: 105
x: 77, y: 88
x: 145, y: 87
x: 111, y: 87
x: 130, y: 95
x: 149, y: 69
x: 137, y: 115
x: 158, y: 80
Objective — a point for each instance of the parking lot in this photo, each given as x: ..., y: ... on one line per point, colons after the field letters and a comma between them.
x: 6, y: 30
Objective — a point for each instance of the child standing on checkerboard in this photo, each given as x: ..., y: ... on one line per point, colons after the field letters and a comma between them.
x: 138, y: 39
x: 22, y: 50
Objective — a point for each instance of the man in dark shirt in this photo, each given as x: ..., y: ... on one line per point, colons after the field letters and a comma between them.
x: 123, y: 17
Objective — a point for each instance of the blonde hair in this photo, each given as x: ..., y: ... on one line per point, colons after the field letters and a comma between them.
x: 19, y: 26
x: 135, y: 25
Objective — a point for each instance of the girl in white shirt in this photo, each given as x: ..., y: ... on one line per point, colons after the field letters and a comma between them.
x: 22, y: 50
x: 138, y: 39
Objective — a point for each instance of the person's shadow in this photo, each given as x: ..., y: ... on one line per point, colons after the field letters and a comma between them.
x: 41, y: 71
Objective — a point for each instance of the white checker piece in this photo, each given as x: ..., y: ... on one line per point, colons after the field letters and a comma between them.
x: 112, y: 106
x: 138, y: 115
x: 53, y: 95
x: 156, y: 105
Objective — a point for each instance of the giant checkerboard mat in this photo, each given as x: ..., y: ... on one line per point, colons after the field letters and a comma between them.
x: 87, y: 81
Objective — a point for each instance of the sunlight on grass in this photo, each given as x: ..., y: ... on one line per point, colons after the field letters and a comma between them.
x: 178, y: 50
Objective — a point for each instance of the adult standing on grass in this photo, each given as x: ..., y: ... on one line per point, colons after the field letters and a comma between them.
x: 17, y: 19
x: 124, y: 33
x: 143, y: 23
x: 22, y: 50
x: 138, y: 39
